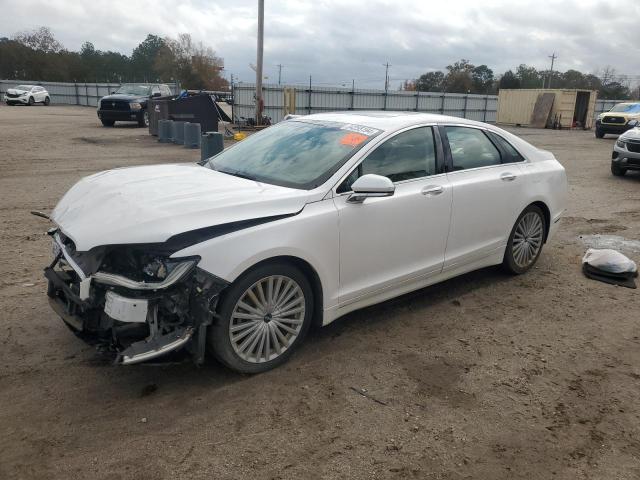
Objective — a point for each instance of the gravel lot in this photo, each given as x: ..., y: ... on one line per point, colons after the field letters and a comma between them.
x: 485, y: 376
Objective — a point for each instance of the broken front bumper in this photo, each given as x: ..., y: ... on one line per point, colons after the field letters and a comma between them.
x: 135, y: 321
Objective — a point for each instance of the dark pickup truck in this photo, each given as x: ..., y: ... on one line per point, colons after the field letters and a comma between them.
x: 129, y: 103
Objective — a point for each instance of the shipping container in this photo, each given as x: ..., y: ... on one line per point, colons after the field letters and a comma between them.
x: 571, y: 108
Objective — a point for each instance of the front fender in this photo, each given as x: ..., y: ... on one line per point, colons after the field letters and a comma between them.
x: 312, y: 236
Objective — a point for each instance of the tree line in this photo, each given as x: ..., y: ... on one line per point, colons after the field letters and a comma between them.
x: 464, y: 77
x: 38, y: 55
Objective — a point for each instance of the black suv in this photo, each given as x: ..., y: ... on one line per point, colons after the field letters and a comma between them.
x: 129, y: 103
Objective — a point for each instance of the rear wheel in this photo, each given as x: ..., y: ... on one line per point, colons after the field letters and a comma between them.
x: 263, y: 318
x: 525, y: 241
x: 599, y: 133
x: 47, y: 101
x: 31, y: 101
x: 617, y: 170
x: 107, y: 123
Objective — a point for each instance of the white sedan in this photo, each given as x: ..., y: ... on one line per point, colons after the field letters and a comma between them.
x: 27, y: 95
x: 297, y: 225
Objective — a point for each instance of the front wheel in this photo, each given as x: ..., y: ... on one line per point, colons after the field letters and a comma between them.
x: 263, y: 317
x: 525, y: 242
x: 47, y: 101
x: 617, y: 170
x: 599, y: 133
x: 107, y: 123
x: 31, y: 101
x: 143, y: 121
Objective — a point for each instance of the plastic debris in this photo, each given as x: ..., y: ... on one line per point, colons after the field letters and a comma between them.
x: 610, y: 266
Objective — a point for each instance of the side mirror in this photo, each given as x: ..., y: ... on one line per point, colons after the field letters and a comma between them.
x: 113, y: 93
x: 371, y: 186
x: 156, y: 94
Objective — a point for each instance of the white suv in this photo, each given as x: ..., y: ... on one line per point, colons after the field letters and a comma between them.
x: 27, y: 95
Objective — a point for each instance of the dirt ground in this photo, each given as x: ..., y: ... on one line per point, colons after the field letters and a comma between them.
x: 485, y: 376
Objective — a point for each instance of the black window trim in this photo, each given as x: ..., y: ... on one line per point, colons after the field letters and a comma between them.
x: 439, y: 151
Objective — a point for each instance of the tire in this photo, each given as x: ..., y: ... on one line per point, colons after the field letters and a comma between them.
x: 31, y: 101
x: 530, y: 230
x: 10, y: 104
x: 143, y: 121
x: 599, y: 133
x: 47, y: 101
x: 262, y: 341
x: 107, y: 123
x: 617, y: 170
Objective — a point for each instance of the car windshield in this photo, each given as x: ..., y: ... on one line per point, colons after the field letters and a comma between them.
x: 296, y: 153
x: 626, y: 108
x: 24, y: 87
x: 134, y: 90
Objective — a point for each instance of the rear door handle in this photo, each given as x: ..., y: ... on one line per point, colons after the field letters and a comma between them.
x: 431, y: 190
x: 507, y: 177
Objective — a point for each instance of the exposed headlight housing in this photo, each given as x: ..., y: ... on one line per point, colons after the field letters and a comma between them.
x: 135, y: 106
x: 621, y: 143
x: 173, y: 273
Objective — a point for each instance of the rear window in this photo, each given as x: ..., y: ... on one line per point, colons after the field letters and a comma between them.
x: 510, y: 153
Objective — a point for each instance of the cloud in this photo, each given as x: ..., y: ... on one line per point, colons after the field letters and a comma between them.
x: 337, y: 41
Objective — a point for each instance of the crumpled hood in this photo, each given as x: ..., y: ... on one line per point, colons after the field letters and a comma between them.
x: 18, y: 91
x: 633, y: 134
x: 150, y: 204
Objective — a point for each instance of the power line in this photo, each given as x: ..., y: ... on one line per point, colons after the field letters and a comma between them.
x: 279, y: 72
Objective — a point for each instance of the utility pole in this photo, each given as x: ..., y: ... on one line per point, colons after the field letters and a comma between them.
x: 386, y: 76
x: 553, y: 58
x: 259, y: 100
x: 279, y: 72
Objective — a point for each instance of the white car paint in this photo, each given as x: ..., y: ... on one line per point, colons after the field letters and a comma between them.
x: 22, y: 94
x: 362, y: 253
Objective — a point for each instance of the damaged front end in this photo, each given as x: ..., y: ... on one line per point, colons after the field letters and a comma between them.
x: 134, y: 301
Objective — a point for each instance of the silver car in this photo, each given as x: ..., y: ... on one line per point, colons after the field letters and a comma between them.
x: 626, y: 152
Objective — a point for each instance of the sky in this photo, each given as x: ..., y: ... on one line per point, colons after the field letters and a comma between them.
x: 337, y: 42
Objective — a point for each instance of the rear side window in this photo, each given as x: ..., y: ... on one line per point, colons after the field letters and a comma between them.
x: 164, y: 90
x: 408, y: 155
x: 471, y: 148
x: 510, y: 153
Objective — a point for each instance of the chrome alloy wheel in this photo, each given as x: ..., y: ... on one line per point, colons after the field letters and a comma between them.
x: 267, y: 319
x: 527, y: 239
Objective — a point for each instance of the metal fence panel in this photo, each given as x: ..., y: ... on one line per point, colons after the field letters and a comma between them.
x: 324, y: 99
x: 65, y: 93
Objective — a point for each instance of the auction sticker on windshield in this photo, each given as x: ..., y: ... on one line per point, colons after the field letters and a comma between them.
x: 368, y: 131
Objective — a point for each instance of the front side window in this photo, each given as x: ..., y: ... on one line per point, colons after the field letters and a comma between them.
x: 471, y: 148
x: 299, y: 154
x: 408, y: 155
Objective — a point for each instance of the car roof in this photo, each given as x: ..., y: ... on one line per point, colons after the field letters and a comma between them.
x: 388, y: 120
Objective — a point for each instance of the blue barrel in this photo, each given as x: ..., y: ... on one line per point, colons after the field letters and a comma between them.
x: 178, y: 132
x: 212, y: 143
x: 191, y: 135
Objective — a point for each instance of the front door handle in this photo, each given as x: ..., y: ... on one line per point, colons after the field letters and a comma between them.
x: 431, y: 190
x: 507, y: 177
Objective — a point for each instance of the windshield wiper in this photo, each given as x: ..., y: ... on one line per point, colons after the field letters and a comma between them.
x: 237, y: 173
